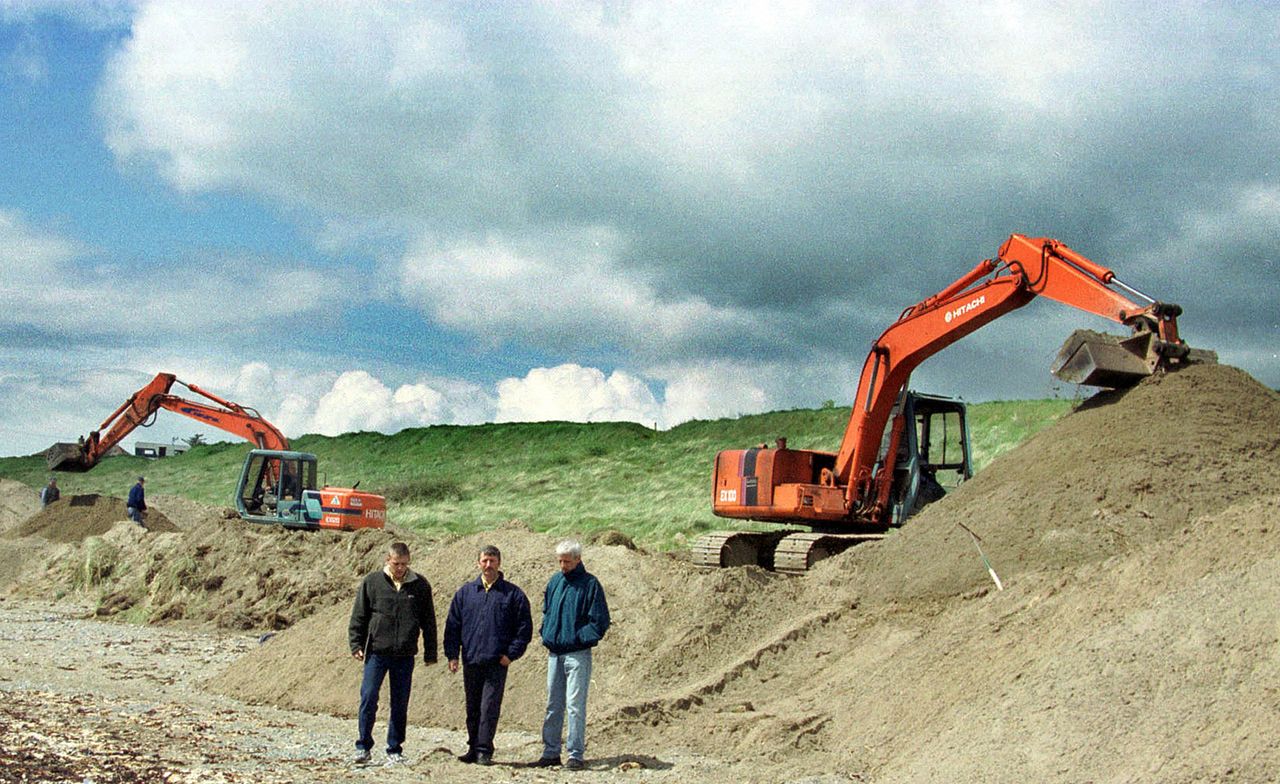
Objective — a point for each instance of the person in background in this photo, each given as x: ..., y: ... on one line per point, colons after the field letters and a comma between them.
x: 136, y: 506
x: 50, y: 492
x: 488, y: 627
x: 392, y: 607
x: 575, y: 617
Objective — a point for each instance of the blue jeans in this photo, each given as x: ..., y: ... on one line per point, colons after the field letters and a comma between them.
x: 376, y: 668
x: 568, y: 676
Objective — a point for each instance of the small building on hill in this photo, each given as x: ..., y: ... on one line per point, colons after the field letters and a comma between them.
x: 157, y: 450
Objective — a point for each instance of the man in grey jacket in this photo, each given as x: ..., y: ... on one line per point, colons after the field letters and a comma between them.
x: 392, y: 607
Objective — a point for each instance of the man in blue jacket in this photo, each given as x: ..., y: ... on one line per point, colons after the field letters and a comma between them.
x: 575, y: 617
x: 488, y: 627
x: 137, y: 503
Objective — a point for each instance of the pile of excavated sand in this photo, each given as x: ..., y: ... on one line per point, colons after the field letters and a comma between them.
x: 670, y: 621
x: 1138, y: 540
x: 77, y: 517
x: 1127, y: 470
x: 213, y: 569
x: 17, y: 503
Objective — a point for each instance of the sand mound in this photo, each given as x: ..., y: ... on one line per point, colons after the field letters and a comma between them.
x: 1124, y: 471
x: 17, y: 503
x: 185, y: 513
x: 77, y: 517
x: 665, y: 611
x: 217, y: 570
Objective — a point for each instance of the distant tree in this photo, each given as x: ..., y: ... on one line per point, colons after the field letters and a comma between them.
x: 195, y: 440
x: 828, y: 404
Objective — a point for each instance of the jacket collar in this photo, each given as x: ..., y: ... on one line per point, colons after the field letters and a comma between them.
x: 409, y: 576
x: 479, y: 581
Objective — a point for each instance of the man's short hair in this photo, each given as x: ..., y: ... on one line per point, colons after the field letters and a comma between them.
x: 569, y: 547
x: 142, y: 479
x: 398, y: 548
x: 489, y: 549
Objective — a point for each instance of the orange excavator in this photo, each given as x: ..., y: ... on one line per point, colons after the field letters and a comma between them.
x: 898, y: 442
x: 277, y: 485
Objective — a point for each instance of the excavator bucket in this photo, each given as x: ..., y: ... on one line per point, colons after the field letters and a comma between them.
x: 66, y: 457
x: 1098, y: 359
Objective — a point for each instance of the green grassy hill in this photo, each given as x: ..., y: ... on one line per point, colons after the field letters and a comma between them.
x: 558, y: 477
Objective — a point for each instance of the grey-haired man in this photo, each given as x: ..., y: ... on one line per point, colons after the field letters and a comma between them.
x: 575, y: 616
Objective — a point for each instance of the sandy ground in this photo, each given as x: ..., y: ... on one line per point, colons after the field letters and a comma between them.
x: 89, y: 700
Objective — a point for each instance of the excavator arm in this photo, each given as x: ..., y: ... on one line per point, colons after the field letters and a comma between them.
x: 1024, y: 269
x: 143, y: 405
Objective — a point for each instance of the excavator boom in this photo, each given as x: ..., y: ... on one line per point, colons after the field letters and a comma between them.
x: 1024, y: 269
x: 143, y: 404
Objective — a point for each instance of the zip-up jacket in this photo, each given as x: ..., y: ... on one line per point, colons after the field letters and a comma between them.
x: 575, y: 615
x: 387, y: 622
x: 486, y: 625
x: 137, y: 497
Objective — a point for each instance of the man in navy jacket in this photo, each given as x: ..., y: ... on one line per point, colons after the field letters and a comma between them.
x: 488, y: 627
x: 137, y: 503
x: 575, y: 617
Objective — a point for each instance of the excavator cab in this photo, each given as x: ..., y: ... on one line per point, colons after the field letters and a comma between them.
x: 279, y: 487
x: 933, y: 454
x: 274, y: 487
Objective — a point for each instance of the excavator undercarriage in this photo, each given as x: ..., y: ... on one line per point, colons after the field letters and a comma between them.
x: 790, y: 552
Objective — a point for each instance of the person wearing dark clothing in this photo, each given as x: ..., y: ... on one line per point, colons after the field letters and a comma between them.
x: 392, y: 608
x: 489, y: 626
x: 137, y: 503
x: 50, y: 492
x: 575, y: 617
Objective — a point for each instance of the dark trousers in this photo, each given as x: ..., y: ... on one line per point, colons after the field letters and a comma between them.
x: 376, y: 668
x: 484, y: 685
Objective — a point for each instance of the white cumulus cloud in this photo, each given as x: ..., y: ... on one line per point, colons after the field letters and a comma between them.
x: 577, y: 394
x: 563, y: 290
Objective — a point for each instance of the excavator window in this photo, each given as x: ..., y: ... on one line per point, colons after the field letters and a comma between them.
x: 253, y: 494
x: 942, y: 448
x: 308, y: 473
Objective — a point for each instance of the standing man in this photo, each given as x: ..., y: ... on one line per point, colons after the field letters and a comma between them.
x: 392, y: 607
x: 137, y: 503
x: 490, y: 625
x: 50, y: 492
x: 575, y: 617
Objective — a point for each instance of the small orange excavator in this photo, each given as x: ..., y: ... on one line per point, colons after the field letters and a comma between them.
x: 897, y: 441
x: 277, y: 486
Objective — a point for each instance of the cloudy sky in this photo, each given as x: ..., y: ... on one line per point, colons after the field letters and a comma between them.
x: 376, y: 215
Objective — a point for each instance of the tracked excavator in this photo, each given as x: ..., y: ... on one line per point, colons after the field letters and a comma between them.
x: 898, y: 442
x: 277, y: 485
